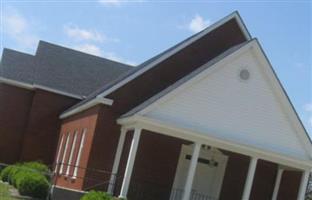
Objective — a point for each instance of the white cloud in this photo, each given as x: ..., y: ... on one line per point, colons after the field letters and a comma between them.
x: 14, y: 23
x: 308, y: 107
x: 198, y: 23
x: 97, y: 51
x: 88, y: 41
x: 89, y: 48
x: 19, y: 28
x: 80, y: 34
x: 117, y: 3
x: 113, y: 56
x: 110, y: 2
x: 299, y: 65
x: 77, y: 33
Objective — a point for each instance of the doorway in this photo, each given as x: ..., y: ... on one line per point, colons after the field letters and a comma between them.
x: 208, y: 177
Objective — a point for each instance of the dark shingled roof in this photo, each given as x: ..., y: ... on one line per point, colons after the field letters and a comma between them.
x: 61, y: 68
x: 145, y: 64
x: 134, y: 70
x: 14, y: 65
x: 130, y: 72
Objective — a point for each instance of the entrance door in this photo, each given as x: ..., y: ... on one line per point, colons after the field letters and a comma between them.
x: 208, y: 176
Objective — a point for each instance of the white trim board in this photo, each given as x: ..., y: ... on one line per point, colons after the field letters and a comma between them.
x: 157, y: 126
x: 17, y: 83
x: 69, y: 189
x: 35, y: 86
x: 96, y: 101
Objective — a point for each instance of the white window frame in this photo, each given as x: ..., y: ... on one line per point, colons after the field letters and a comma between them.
x: 64, y: 153
x: 81, y: 145
x: 70, y: 160
x: 59, y: 153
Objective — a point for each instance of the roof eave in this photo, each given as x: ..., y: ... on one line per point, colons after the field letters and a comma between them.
x: 30, y: 86
x: 93, y: 102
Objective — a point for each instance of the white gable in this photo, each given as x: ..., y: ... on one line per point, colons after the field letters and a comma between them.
x: 223, y: 106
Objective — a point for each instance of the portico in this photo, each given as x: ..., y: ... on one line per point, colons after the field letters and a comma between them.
x: 199, y: 143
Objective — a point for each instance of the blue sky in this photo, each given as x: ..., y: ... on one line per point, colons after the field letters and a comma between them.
x: 132, y: 32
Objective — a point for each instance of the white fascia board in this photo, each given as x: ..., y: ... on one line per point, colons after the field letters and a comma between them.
x: 16, y: 83
x: 29, y: 86
x: 93, y: 102
x: 57, y: 91
x: 160, y: 127
x: 234, y: 15
x: 284, y: 100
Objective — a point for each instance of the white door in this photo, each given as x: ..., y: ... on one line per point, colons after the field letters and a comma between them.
x: 208, y: 177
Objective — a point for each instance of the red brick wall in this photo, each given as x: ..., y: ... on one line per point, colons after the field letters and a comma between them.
x: 15, y: 104
x: 42, y: 131
x: 155, y: 165
x: 84, y: 120
x: 289, y: 186
x: 103, y: 149
x: 235, y: 175
x: 264, y: 180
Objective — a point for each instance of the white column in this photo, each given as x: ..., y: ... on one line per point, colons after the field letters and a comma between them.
x: 130, y: 163
x: 119, y: 149
x: 303, y: 185
x: 277, y: 183
x: 250, y: 178
x: 191, y: 172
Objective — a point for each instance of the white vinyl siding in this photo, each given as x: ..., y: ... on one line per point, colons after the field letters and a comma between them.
x: 64, y: 153
x: 71, y: 154
x: 244, y: 112
x: 79, y: 152
x: 59, y: 154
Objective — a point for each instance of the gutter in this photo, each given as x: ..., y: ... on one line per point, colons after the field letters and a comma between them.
x: 93, y: 102
x: 30, y: 86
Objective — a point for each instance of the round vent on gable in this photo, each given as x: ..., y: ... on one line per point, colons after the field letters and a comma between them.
x: 244, y: 74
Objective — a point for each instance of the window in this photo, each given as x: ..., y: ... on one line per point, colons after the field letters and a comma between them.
x: 71, y: 153
x: 79, y: 152
x: 64, y: 153
x: 59, y: 154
